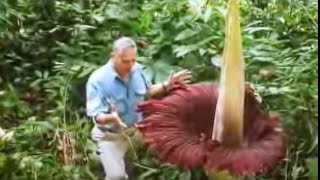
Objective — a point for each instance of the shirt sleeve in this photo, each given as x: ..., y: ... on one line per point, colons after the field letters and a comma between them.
x: 96, y: 102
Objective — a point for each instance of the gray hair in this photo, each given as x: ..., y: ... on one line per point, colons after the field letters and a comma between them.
x: 122, y: 44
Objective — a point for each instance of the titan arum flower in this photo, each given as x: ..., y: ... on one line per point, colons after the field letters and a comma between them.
x: 222, y: 128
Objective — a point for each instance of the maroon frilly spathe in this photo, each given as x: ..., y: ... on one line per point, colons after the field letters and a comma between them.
x: 179, y: 127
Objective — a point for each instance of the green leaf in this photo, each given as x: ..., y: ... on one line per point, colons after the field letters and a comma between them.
x: 185, y: 34
x: 163, y: 70
x: 252, y: 30
x: 185, y: 49
x: 42, y: 126
x: 84, y: 27
x: 8, y: 103
x: 76, y: 68
x: 185, y: 175
x: 99, y: 18
x: 36, y: 83
x: 314, y: 145
x: 207, y: 14
x: 202, y: 51
x: 148, y: 173
x: 312, y: 164
x: 3, y: 159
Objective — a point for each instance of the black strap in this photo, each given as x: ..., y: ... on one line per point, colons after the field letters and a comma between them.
x: 144, y: 79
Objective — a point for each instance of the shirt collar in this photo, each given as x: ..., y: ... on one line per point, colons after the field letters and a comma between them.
x: 114, y: 73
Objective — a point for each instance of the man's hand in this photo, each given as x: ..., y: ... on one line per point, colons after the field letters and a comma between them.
x: 118, y: 120
x: 178, y: 79
x: 110, y: 118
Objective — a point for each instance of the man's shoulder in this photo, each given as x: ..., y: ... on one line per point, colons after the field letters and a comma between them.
x: 140, y: 66
x: 100, y: 74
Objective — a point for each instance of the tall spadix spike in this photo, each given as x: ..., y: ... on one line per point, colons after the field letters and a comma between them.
x: 228, y: 120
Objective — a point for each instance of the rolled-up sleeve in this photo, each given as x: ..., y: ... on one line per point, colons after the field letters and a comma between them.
x: 95, y: 101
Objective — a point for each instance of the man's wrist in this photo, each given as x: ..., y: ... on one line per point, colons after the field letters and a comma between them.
x: 165, y: 85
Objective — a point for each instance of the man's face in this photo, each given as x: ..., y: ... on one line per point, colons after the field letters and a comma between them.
x: 125, y: 60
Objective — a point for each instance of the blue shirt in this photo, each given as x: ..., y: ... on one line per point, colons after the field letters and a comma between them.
x: 105, y: 88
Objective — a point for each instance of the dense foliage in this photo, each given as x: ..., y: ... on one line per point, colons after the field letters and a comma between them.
x: 48, y: 48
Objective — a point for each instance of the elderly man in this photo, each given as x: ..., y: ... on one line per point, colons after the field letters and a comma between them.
x: 113, y: 92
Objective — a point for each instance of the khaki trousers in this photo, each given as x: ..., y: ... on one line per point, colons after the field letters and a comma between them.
x: 113, y: 147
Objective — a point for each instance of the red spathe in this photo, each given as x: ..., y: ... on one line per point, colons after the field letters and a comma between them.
x: 179, y: 128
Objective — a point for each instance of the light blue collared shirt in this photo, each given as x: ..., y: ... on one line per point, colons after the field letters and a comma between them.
x: 105, y: 88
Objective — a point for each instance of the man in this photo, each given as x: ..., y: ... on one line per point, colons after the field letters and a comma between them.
x: 113, y: 92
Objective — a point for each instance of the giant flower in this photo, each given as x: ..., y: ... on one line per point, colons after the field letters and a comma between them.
x: 217, y: 126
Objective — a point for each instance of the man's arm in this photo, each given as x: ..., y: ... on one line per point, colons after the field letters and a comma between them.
x: 178, y: 79
x: 158, y: 90
x: 100, y: 112
x: 104, y: 118
x: 112, y: 118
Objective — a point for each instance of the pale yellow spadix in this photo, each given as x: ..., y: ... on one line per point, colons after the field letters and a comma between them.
x: 228, y: 120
